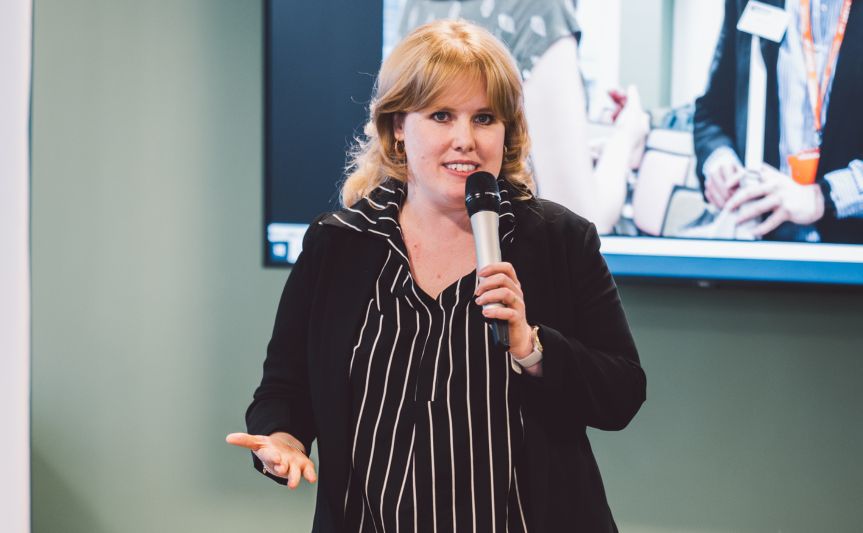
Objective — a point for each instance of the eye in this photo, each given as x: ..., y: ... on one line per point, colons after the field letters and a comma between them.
x: 440, y: 116
x: 484, y: 119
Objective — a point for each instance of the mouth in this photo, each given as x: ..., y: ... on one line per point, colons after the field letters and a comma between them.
x: 461, y: 167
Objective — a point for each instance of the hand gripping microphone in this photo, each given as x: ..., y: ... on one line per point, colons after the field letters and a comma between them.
x: 482, y: 199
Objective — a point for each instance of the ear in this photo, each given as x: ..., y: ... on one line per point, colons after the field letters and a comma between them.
x: 399, y: 126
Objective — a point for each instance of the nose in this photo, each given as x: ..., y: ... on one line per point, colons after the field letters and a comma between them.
x: 463, y: 139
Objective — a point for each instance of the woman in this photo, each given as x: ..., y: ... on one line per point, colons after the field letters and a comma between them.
x: 380, y: 349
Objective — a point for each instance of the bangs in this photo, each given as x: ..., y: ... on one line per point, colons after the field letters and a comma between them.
x: 452, y: 69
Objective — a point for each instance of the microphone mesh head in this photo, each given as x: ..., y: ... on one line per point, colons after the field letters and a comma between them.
x: 481, y: 193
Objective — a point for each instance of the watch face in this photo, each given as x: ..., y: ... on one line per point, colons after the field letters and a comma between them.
x: 536, y: 344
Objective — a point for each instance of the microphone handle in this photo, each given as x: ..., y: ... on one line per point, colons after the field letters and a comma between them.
x: 487, y: 241
x: 500, y: 333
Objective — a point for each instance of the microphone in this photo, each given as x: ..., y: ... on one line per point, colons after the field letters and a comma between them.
x: 482, y: 199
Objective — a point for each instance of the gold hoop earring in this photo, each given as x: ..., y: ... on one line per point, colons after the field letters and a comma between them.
x: 399, y: 148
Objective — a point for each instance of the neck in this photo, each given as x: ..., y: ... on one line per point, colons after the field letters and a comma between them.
x: 446, y: 219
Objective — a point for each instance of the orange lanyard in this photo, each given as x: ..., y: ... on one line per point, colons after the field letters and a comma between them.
x: 816, y: 94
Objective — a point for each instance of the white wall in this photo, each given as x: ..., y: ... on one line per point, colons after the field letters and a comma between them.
x: 15, y: 30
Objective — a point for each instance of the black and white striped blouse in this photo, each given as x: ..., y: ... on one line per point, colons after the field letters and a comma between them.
x: 436, y: 426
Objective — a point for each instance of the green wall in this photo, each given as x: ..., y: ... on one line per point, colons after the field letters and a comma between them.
x: 151, y: 312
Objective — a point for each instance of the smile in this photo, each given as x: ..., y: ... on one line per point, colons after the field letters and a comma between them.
x: 461, y: 167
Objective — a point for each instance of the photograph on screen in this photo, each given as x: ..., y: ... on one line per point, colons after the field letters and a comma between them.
x: 684, y: 130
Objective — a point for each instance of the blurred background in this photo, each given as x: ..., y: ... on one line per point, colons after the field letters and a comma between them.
x: 151, y: 313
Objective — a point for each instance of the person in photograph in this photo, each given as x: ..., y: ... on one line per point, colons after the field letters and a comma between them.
x: 543, y: 36
x: 381, y: 351
x: 811, y: 185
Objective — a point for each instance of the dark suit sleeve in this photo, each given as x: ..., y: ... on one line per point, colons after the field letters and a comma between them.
x: 592, y: 376
x: 282, y: 401
x: 715, y: 110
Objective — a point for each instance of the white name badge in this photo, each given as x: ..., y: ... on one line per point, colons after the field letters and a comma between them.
x: 766, y: 21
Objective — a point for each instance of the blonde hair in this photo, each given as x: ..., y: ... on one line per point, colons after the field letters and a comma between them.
x: 414, y: 76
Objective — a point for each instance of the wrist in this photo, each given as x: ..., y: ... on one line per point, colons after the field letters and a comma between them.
x: 820, y: 202
x: 825, y: 199
x: 532, y: 359
x: 525, y: 347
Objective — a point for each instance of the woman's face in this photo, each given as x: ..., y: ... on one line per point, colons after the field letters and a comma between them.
x: 448, y: 141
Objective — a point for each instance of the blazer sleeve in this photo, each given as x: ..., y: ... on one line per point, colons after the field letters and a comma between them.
x: 592, y: 375
x: 282, y: 401
x: 714, y: 119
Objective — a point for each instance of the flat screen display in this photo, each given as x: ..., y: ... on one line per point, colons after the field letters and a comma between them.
x: 639, y: 122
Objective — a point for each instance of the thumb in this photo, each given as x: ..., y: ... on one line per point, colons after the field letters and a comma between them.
x: 244, y: 440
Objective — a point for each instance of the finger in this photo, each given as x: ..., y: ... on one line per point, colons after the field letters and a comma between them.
x: 496, y: 281
x: 501, y: 295
x: 293, y: 475
x: 244, y: 440
x: 753, y: 209
x: 735, y: 176
x: 770, y: 223
x: 713, y: 194
x: 748, y: 193
x: 711, y: 197
x: 718, y: 181
x: 280, y: 469
x: 502, y: 267
x: 269, y: 455
x: 506, y: 314
x: 309, y: 472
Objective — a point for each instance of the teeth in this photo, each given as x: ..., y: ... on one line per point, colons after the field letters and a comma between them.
x: 461, y: 167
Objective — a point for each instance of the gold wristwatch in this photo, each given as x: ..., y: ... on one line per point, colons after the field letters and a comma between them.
x: 533, y: 358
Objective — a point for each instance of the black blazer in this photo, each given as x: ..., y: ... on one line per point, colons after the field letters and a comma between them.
x: 591, y: 367
x: 720, y: 114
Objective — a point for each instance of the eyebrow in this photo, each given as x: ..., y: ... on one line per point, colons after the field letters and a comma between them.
x: 445, y: 108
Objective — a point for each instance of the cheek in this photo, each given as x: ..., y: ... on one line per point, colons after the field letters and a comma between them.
x: 494, y: 148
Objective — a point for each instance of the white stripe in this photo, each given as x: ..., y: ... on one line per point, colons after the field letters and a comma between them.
x: 506, y: 364
x: 433, y: 488
x: 362, y: 214
x: 376, y: 232
x: 515, y: 474
x: 518, y: 498
x: 365, y: 390
x: 507, y: 234
x: 348, y: 491
x: 439, y: 344
x: 428, y: 334
x: 414, y: 479
x: 381, y: 410
x: 396, y: 248
x: 378, y: 282
x: 469, y: 419
x: 360, y: 339
x: 394, y: 221
x: 404, y: 482
x: 448, y: 398
x: 345, y: 223
x: 398, y: 272
x: 398, y: 416
x: 488, y: 417
x: 374, y: 204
